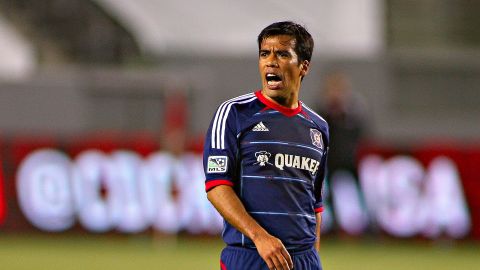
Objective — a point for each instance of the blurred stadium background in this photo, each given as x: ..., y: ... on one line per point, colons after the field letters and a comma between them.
x: 103, y: 106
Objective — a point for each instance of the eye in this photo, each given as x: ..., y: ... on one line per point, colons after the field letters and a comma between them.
x: 263, y: 54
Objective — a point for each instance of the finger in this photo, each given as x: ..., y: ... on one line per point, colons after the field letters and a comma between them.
x: 280, y: 262
x: 270, y: 264
x: 276, y: 263
x: 288, y: 258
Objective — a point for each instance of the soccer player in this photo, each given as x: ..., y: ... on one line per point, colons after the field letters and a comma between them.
x: 264, y: 160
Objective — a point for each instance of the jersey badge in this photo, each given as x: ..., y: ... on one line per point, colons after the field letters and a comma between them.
x: 260, y: 127
x: 217, y: 164
x: 316, y: 138
x: 262, y: 158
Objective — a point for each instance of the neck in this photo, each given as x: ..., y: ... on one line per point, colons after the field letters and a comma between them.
x: 290, y: 102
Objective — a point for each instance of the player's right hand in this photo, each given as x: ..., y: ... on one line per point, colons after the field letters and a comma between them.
x: 274, y: 253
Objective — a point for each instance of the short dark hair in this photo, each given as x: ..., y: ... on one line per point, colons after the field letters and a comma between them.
x: 304, y: 41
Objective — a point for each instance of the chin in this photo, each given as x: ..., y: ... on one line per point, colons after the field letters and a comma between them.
x: 275, y: 94
x: 275, y: 90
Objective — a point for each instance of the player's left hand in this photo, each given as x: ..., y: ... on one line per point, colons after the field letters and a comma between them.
x: 274, y: 253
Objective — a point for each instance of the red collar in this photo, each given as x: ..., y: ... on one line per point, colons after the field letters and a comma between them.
x: 284, y: 110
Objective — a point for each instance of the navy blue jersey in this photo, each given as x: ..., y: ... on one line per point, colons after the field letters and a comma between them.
x: 274, y: 158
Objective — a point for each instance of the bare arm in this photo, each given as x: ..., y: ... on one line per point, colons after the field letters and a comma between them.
x: 231, y: 208
x: 318, y: 230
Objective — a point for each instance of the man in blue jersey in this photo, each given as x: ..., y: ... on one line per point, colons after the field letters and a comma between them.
x: 264, y: 160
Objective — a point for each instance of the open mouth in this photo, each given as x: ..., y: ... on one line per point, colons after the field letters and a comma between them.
x: 273, y: 79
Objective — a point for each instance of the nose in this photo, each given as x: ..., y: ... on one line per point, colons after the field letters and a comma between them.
x: 272, y: 60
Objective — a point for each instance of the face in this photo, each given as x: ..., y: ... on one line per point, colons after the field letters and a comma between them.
x: 280, y: 69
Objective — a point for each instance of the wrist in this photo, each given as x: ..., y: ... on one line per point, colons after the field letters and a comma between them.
x: 257, y: 235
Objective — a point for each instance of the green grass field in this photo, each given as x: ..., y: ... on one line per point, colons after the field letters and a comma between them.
x: 142, y: 252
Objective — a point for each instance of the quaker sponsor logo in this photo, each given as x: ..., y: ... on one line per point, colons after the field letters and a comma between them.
x: 297, y: 162
x: 316, y: 138
x: 217, y: 164
x: 262, y: 158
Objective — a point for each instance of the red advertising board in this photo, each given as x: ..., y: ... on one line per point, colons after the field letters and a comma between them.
x: 2, y: 195
x: 124, y: 183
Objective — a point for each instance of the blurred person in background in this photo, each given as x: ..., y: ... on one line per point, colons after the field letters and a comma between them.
x: 175, y: 121
x: 264, y: 160
x: 345, y: 113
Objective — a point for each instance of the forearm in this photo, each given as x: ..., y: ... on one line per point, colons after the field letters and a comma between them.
x: 318, y: 217
x: 270, y: 248
x: 227, y: 203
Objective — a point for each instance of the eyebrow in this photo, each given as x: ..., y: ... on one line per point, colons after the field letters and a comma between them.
x: 283, y: 51
x: 277, y: 51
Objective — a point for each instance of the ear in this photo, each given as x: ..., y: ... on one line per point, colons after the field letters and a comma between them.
x: 304, y: 68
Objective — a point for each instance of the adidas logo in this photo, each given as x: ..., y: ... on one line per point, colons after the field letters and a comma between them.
x: 260, y: 127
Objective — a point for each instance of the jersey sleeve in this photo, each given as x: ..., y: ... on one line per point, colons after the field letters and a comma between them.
x: 220, y: 149
x: 320, y: 178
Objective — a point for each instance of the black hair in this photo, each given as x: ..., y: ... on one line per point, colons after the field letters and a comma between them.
x: 304, y: 41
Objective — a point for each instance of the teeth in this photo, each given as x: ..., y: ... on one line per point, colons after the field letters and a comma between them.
x: 270, y: 75
x: 271, y: 82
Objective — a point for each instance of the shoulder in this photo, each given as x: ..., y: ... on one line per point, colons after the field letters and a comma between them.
x: 316, y: 118
x: 225, y: 118
x: 236, y: 103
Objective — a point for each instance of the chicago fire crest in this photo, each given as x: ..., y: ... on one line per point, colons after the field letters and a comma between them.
x: 316, y: 138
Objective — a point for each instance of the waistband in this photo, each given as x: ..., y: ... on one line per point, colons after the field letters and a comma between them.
x: 293, y: 252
